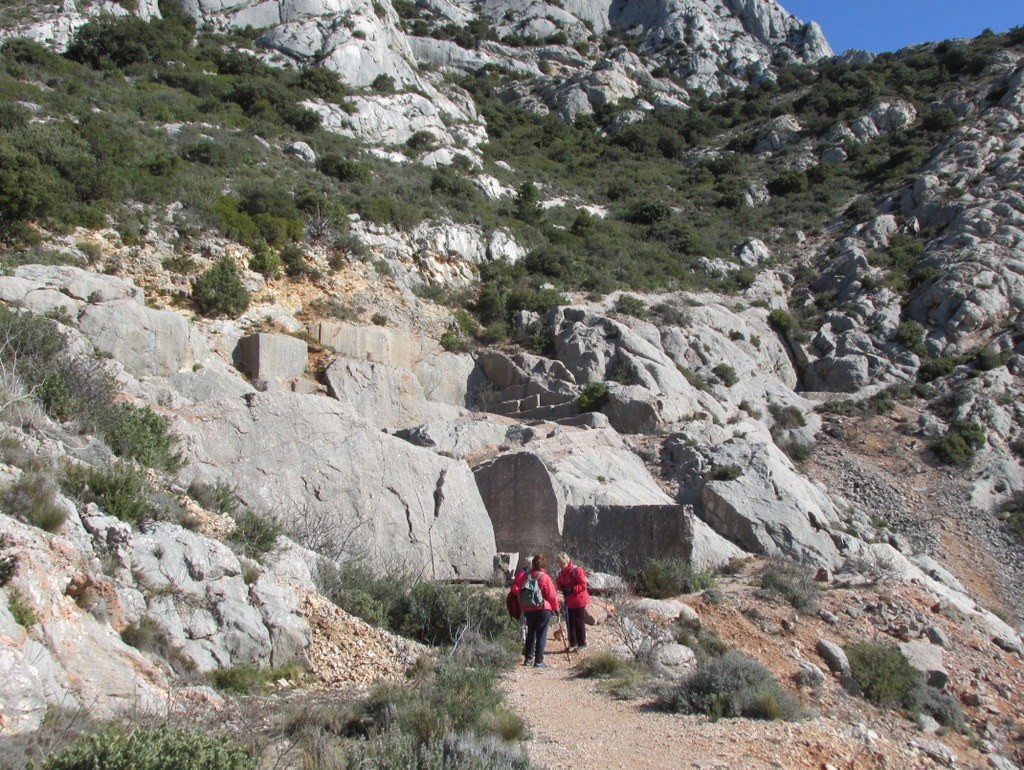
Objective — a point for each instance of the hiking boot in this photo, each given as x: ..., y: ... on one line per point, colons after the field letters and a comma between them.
x: 572, y: 649
x: 541, y: 665
x: 527, y: 661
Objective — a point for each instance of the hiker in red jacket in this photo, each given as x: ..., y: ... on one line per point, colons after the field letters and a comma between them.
x: 538, y: 601
x: 572, y: 582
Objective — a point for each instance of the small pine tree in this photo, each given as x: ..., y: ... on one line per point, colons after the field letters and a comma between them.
x: 219, y: 291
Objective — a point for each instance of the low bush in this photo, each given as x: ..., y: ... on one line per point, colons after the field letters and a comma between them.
x: 244, y: 680
x: 726, y: 374
x: 603, y: 664
x: 882, y: 673
x: 940, y: 367
x: 254, y: 535
x: 733, y: 685
x: 437, y: 613
x: 121, y: 489
x: 958, y: 446
x: 454, y: 342
x: 726, y: 472
x: 593, y: 397
x: 32, y: 498
x: 452, y: 752
x: 138, y: 433
x: 20, y: 609
x: 219, y: 496
x: 665, y: 578
x: 794, y: 585
x: 703, y: 641
x: 786, y: 417
x: 150, y: 749
x: 627, y: 304
x: 941, y: 706
x: 219, y: 290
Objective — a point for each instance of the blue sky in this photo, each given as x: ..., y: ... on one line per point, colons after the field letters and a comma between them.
x: 884, y: 25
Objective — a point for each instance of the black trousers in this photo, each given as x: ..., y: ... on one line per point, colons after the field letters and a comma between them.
x: 536, y: 634
x: 576, y: 622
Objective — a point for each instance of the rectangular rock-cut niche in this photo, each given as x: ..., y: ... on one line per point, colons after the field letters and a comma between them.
x: 614, y: 537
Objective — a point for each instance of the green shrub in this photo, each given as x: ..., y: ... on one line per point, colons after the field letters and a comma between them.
x: 254, y: 535
x: 990, y: 358
x: 940, y: 367
x: 782, y: 321
x: 958, y: 446
x: 627, y: 304
x: 911, y: 334
x: 265, y: 260
x: 941, y: 706
x: 593, y: 397
x: 733, y: 685
x: 219, y: 496
x: 20, y: 609
x: 360, y: 592
x: 793, y: 584
x: 150, y: 749
x: 343, y: 169
x: 786, y: 417
x: 436, y: 613
x: 726, y: 374
x: 726, y: 472
x: 32, y: 498
x: 219, y: 290
x: 882, y: 673
x: 138, y: 433
x: 243, y: 680
x: 383, y: 84
x: 665, y: 578
x: 798, y: 451
x: 454, y: 342
x: 704, y: 642
x: 122, y: 489
x: 693, y: 378
x: 602, y: 664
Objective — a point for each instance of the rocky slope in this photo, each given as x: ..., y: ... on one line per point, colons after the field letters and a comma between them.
x: 677, y: 424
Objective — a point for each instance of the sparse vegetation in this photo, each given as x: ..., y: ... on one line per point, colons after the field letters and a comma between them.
x: 20, y: 609
x: 882, y: 673
x: 665, y: 578
x: 792, y: 584
x: 150, y: 749
x: 593, y: 397
x: 732, y: 685
x: 32, y: 498
x: 959, y: 444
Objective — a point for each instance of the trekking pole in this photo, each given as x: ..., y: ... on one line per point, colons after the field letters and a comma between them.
x: 565, y: 635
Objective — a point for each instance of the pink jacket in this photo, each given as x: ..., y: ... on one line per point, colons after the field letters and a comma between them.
x: 574, y: 579
x: 547, y: 590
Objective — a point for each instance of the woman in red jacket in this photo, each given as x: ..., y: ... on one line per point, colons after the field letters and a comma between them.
x: 538, y: 610
x: 572, y: 582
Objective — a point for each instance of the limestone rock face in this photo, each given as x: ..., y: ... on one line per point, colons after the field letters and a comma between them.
x: 585, y: 488
x: 768, y: 508
x: 309, y: 461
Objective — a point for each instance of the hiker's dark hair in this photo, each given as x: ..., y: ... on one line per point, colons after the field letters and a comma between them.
x: 539, y: 562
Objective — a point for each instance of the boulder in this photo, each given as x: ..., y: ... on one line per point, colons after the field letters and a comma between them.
x: 834, y: 657
x: 674, y: 661
x: 927, y: 659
